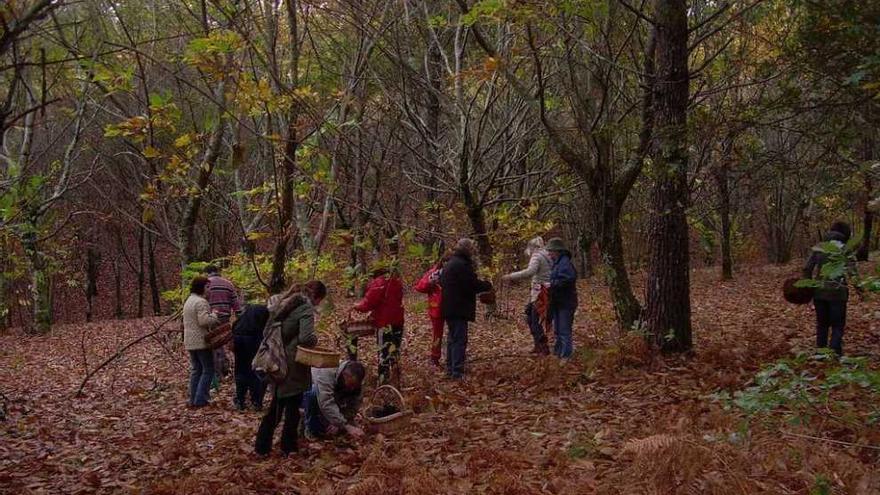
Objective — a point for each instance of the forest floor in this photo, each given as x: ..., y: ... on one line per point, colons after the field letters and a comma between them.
x: 613, y: 420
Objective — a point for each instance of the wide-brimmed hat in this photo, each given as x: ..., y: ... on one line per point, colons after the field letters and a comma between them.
x: 555, y: 244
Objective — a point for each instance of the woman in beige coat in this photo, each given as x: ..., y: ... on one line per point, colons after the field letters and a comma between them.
x: 197, y: 321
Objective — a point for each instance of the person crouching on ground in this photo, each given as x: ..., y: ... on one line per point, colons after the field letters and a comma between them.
x: 459, y: 285
x: 384, y: 301
x: 830, y: 300
x: 429, y: 284
x: 197, y: 321
x: 563, y: 297
x: 296, y: 312
x: 332, y: 404
x: 539, y: 269
x: 247, y: 333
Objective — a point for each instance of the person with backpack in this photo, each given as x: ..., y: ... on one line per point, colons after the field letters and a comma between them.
x: 247, y: 333
x: 429, y: 284
x: 831, y: 298
x: 539, y: 269
x: 294, y: 313
x: 563, y: 297
x: 458, y: 306
x: 197, y: 321
x: 332, y: 404
x: 384, y: 301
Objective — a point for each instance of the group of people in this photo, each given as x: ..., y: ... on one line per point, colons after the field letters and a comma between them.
x: 329, y: 398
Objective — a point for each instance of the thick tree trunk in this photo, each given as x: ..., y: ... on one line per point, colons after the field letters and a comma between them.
x: 477, y: 217
x: 867, y: 231
x: 721, y: 179
x: 668, y: 310
x: 626, y: 306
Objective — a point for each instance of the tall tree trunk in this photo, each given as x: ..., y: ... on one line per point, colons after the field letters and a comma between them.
x: 721, y: 180
x: 41, y: 291
x: 668, y: 310
x: 153, y: 279
x: 117, y: 278
x: 140, y: 273
x: 92, y: 261
x: 626, y: 306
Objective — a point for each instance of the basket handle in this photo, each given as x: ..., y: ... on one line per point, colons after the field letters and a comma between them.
x: 393, y: 389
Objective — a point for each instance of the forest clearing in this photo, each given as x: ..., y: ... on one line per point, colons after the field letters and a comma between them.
x: 440, y: 246
x: 611, y: 421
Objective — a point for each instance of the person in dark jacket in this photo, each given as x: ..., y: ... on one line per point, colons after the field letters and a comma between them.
x: 296, y: 312
x: 384, y: 301
x: 830, y: 299
x: 458, y: 304
x: 563, y: 297
x: 247, y: 333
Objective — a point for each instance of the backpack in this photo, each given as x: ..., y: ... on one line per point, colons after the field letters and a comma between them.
x: 271, y: 357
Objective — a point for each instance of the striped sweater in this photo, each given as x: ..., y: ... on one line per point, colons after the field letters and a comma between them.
x: 222, y: 296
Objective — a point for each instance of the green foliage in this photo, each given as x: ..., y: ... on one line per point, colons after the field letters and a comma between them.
x: 809, y: 386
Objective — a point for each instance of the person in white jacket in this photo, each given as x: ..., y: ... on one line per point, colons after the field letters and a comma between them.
x: 197, y: 321
x: 539, y: 269
x: 332, y: 404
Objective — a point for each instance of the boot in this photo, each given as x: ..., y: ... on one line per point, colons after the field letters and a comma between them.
x: 543, y: 349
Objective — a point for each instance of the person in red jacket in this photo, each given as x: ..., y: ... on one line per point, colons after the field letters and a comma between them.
x: 430, y: 284
x: 384, y: 302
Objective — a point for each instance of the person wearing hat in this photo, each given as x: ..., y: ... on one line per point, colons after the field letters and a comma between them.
x: 563, y: 297
x: 384, y: 301
x: 459, y: 287
x: 830, y: 299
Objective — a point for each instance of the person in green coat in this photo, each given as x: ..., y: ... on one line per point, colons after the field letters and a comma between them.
x: 296, y: 310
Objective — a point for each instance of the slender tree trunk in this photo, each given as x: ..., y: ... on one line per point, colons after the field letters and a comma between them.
x: 92, y: 261
x: 140, y: 273
x: 117, y: 277
x: 668, y: 310
x: 721, y: 179
x: 153, y: 279
x: 41, y: 293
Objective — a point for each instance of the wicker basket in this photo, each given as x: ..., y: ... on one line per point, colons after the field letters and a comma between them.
x: 357, y: 328
x: 317, y: 357
x: 219, y: 336
x: 391, y: 422
x: 796, y: 295
x: 487, y: 298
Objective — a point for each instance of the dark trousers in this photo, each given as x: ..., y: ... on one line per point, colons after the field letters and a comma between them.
x: 388, y: 339
x: 456, y: 347
x: 289, y: 407
x: 246, y: 379
x: 200, y: 376
x: 533, y: 319
x: 830, y: 315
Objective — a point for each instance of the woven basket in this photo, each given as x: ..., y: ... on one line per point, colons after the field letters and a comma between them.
x: 317, y: 357
x: 796, y: 295
x: 487, y: 298
x: 357, y: 328
x: 219, y: 336
x: 392, y: 422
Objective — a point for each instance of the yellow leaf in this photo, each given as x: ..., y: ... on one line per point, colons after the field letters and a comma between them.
x: 151, y: 152
x: 182, y: 141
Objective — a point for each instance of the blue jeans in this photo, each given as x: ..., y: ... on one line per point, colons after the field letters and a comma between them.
x: 312, y: 418
x: 563, y: 321
x: 456, y: 347
x: 201, y: 374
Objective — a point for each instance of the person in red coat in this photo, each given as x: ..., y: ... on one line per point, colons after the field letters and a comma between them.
x: 384, y: 302
x: 429, y: 284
